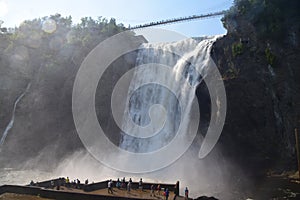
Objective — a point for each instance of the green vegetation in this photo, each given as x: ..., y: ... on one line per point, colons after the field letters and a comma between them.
x: 51, y: 42
x: 270, y: 56
x: 237, y: 49
x: 232, y: 72
x: 271, y: 19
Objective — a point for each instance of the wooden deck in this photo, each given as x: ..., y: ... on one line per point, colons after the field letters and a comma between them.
x: 134, y: 193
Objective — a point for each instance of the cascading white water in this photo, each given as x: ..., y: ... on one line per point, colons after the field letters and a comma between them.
x: 11, y: 122
x: 153, y: 111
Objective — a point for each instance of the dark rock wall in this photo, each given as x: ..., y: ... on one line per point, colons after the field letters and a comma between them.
x: 262, y: 84
x: 262, y: 97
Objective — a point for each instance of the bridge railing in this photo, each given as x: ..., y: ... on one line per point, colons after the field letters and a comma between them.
x: 175, y: 20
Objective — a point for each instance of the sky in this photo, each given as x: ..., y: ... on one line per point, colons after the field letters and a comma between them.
x: 132, y: 12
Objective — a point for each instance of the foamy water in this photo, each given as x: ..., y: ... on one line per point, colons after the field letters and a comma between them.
x: 23, y: 177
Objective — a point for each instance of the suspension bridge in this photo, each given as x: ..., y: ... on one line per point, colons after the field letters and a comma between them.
x: 181, y: 19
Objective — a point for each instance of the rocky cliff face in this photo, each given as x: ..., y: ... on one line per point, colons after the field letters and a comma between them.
x: 44, y: 129
x: 261, y: 77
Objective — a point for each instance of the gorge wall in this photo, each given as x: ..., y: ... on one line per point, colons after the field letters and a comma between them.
x: 260, y: 68
x: 261, y: 76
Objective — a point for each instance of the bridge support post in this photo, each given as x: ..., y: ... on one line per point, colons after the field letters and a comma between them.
x: 298, y: 151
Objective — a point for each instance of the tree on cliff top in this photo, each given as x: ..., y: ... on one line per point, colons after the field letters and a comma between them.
x: 52, y: 41
x: 272, y: 19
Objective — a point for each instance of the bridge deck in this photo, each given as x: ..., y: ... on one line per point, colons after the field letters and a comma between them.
x: 181, y: 19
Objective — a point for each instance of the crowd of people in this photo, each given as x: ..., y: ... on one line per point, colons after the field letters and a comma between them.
x: 155, y: 190
x: 121, y: 184
x: 66, y: 182
x: 74, y: 184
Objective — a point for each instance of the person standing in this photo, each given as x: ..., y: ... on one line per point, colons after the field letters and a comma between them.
x: 128, y: 186
x: 67, y: 182
x: 123, y: 183
x: 52, y: 184
x: 152, y: 191
x: 158, y: 189
x: 167, y: 193
x: 186, y: 193
x: 176, y: 189
x: 141, y: 184
x: 118, y: 184
x: 109, y: 186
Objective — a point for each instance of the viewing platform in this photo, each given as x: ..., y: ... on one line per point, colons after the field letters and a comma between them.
x: 59, y: 189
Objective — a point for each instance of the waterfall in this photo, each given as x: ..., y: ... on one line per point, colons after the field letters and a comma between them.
x: 161, y: 92
x: 11, y: 123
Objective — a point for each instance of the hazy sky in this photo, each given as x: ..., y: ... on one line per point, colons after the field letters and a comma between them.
x: 133, y: 12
